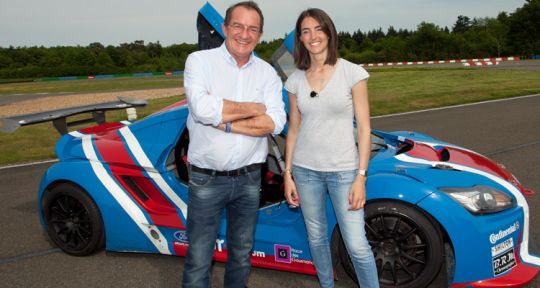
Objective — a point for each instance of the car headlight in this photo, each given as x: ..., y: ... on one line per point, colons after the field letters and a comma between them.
x: 480, y: 199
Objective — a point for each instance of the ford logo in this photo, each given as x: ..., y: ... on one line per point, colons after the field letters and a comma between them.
x: 181, y: 236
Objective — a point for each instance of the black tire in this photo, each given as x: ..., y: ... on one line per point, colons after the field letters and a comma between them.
x: 73, y: 220
x: 407, y: 245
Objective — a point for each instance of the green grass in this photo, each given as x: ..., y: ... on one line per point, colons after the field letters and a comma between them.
x: 390, y: 91
x: 36, y: 142
x: 395, y: 90
x: 92, y: 85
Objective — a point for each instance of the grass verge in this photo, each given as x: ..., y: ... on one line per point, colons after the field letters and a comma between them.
x: 92, y: 85
x: 36, y: 142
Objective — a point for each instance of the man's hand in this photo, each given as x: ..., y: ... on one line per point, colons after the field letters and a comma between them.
x: 255, y: 126
x: 233, y: 111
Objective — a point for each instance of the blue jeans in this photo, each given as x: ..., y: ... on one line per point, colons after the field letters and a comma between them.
x: 312, y: 187
x: 209, y: 195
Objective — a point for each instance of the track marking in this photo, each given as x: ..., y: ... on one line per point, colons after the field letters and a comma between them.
x: 512, y: 148
x: 28, y: 256
x: 455, y: 106
x: 28, y: 164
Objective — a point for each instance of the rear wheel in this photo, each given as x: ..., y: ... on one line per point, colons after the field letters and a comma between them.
x: 73, y: 220
x: 407, y: 245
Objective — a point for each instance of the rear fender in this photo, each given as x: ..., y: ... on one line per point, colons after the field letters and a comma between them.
x: 121, y: 232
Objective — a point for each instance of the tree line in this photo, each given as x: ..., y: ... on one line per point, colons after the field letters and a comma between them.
x: 514, y: 34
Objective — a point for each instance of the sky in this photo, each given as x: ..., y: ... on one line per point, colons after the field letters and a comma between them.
x: 111, y: 22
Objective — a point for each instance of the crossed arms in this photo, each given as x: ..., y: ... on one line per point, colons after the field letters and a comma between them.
x: 247, y: 118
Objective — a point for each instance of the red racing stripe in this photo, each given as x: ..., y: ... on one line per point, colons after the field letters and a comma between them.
x: 113, y: 152
x: 102, y: 129
x: 466, y: 158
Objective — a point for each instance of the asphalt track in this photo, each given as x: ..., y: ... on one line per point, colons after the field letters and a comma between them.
x: 507, y: 131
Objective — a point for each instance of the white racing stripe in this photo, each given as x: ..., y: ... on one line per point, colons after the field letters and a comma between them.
x: 143, y: 160
x: 524, y: 247
x: 122, y: 198
x: 76, y: 134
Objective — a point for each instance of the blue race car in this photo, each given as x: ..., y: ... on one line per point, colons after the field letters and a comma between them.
x: 432, y: 208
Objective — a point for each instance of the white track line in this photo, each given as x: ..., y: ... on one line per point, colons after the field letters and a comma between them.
x: 455, y: 106
x: 28, y: 164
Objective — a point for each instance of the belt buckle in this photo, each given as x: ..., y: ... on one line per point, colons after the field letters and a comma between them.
x: 236, y: 172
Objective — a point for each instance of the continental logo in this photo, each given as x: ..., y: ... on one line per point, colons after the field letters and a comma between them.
x: 493, y: 238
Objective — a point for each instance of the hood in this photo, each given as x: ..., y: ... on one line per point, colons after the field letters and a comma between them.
x: 441, y: 164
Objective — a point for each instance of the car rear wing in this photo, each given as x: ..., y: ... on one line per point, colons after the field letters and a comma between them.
x: 59, y: 117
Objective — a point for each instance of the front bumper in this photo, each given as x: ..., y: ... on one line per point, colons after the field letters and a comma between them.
x: 521, y: 275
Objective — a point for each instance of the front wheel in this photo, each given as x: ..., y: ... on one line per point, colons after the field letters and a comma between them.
x: 73, y: 220
x: 407, y: 245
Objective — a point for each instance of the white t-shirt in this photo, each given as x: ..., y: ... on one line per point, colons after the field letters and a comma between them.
x: 325, y: 140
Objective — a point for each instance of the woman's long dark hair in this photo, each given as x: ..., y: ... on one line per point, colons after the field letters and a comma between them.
x: 301, y: 54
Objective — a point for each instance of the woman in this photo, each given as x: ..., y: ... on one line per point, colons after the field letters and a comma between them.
x: 325, y: 93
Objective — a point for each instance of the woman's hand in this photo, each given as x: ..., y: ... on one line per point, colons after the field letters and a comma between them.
x: 357, y: 195
x: 290, y: 190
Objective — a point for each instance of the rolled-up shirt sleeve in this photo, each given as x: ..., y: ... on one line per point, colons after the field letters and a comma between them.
x: 204, y: 107
x: 275, y: 108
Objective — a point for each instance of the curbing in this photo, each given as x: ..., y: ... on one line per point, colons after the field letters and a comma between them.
x: 471, y: 62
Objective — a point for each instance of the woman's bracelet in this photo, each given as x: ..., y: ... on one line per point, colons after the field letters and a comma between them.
x: 289, y: 171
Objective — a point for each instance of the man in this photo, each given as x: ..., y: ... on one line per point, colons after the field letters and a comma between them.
x: 234, y: 100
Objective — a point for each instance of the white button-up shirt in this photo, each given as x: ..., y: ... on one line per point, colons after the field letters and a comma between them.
x: 211, y: 76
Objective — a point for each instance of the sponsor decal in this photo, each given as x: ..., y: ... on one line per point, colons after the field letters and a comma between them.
x: 502, y: 247
x: 302, y: 261
x: 493, y: 238
x: 179, y: 244
x: 219, y: 245
x: 181, y: 236
x: 503, y: 257
x: 504, y: 262
x: 181, y: 239
x: 295, y: 253
x: 282, y: 253
x: 258, y: 254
